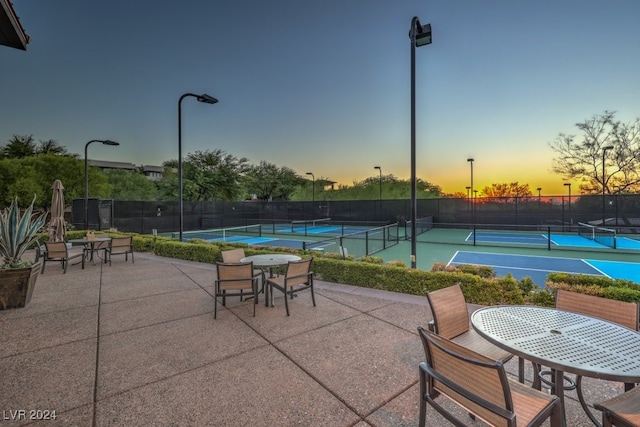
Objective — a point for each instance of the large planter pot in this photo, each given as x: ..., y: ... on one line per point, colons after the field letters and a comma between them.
x: 16, y: 286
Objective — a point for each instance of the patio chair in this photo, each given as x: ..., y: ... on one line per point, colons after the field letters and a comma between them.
x: 623, y: 410
x: 451, y: 321
x: 235, y: 256
x: 480, y: 386
x: 119, y: 246
x: 233, y: 280
x: 298, y: 277
x: 59, y: 252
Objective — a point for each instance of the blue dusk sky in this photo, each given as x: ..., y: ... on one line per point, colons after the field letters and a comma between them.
x: 324, y: 86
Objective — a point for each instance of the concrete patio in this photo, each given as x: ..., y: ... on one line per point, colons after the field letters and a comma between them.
x: 137, y: 344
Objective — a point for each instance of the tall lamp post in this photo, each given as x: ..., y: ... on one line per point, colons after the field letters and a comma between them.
x: 380, y: 169
x: 313, y: 187
x: 568, y: 184
x: 604, y: 151
x: 86, y: 177
x: 539, y: 191
x: 420, y: 35
x: 468, y: 196
x: 473, y: 207
x: 207, y: 99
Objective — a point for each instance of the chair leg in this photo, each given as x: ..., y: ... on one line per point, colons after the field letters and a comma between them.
x: 313, y: 298
x: 64, y: 266
x: 286, y: 303
x: 44, y: 261
x: 132, y: 260
x: 215, y: 306
x: 423, y: 402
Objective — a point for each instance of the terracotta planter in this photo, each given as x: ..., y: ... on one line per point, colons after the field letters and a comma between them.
x: 16, y: 286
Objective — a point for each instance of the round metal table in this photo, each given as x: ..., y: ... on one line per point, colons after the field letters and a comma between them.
x: 563, y: 341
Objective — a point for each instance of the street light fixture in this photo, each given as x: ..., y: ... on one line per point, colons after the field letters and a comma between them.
x: 380, y: 169
x: 313, y: 186
x: 206, y: 99
x: 86, y: 177
x: 568, y: 184
x: 539, y: 190
x: 420, y: 35
x: 604, y: 151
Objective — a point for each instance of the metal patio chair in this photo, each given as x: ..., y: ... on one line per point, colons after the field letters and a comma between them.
x: 233, y: 280
x: 623, y: 410
x: 451, y: 321
x: 120, y: 246
x: 480, y: 386
x: 298, y: 277
x: 60, y: 252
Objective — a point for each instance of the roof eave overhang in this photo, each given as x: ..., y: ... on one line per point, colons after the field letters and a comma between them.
x: 11, y: 32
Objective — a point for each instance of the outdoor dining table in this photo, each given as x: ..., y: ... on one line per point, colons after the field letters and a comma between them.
x: 89, y: 244
x: 269, y: 261
x: 563, y: 341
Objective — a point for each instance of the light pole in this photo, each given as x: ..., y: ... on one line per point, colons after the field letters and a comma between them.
x: 539, y: 190
x: 420, y: 35
x: 313, y: 187
x: 468, y: 196
x: 207, y: 99
x: 604, y: 151
x: 86, y: 177
x: 380, y: 169
x: 568, y: 184
x: 473, y: 208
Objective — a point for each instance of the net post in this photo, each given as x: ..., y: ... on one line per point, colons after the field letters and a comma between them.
x: 548, y: 238
x: 474, y: 234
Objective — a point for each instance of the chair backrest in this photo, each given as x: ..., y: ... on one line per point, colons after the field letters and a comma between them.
x: 620, y: 312
x: 298, y: 272
x: 120, y: 243
x: 56, y: 250
x: 475, y: 382
x: 449, y: 310
x: 234, y: 276
x: 233, y: 255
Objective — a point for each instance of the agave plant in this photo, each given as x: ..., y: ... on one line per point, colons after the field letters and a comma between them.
x: 17, y: 233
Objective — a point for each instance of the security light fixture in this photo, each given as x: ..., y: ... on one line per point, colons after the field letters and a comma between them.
x: 419, y: 35
x: 207, y: 99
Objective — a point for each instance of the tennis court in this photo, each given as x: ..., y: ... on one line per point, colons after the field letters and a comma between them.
x: 538, y: 267
x: 357, y: 240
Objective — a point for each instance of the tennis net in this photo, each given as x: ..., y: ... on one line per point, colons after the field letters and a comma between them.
x: 228, y: 234
x: 305, y: 224
x: 604, y: 236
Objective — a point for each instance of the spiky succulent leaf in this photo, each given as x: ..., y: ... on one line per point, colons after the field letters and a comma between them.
x: 18, y: 232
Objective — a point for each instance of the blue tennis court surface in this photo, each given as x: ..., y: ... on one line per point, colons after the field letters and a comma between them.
x: 538, y: 267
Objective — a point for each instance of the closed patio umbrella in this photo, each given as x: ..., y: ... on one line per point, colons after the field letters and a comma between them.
x: 57, y: 226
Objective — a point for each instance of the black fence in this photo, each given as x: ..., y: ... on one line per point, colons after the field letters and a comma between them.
x: 618, y: 211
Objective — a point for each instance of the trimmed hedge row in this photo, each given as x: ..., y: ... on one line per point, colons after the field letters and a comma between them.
x: 368, y: 273
x: 623, y: 290
x: 479, y: 284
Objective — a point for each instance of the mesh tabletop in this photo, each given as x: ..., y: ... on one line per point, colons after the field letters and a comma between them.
x: 562, y: 340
